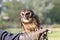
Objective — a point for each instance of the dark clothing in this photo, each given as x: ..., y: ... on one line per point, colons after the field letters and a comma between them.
x: 4, y: 35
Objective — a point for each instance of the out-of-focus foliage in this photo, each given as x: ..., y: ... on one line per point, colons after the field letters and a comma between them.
x: 55, y: 13
x: 47, y: 10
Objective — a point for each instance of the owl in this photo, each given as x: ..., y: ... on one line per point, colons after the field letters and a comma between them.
x: 29, y: 20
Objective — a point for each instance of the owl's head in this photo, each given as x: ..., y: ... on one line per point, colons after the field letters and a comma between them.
x: 26, y: 15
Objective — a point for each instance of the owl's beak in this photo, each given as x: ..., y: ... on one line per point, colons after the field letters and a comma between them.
x: 25, y: 17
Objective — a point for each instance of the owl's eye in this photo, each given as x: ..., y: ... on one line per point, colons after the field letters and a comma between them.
x: 27, y: 13
x: 22, y: 14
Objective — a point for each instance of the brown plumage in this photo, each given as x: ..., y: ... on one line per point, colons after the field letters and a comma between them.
x: 29, y: 20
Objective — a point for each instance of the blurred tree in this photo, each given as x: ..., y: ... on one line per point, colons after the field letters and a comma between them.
x: 12, y: 9
x: 55, y: 13
x: 41, y: 7
x: 47, y: 10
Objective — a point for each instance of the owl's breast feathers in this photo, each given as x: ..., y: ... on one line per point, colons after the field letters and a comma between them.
x: 32, y: 25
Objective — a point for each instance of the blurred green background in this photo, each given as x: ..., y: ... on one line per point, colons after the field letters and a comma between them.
x: 47, y: 10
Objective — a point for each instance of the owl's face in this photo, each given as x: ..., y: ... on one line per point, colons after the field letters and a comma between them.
x: 26, y: 15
